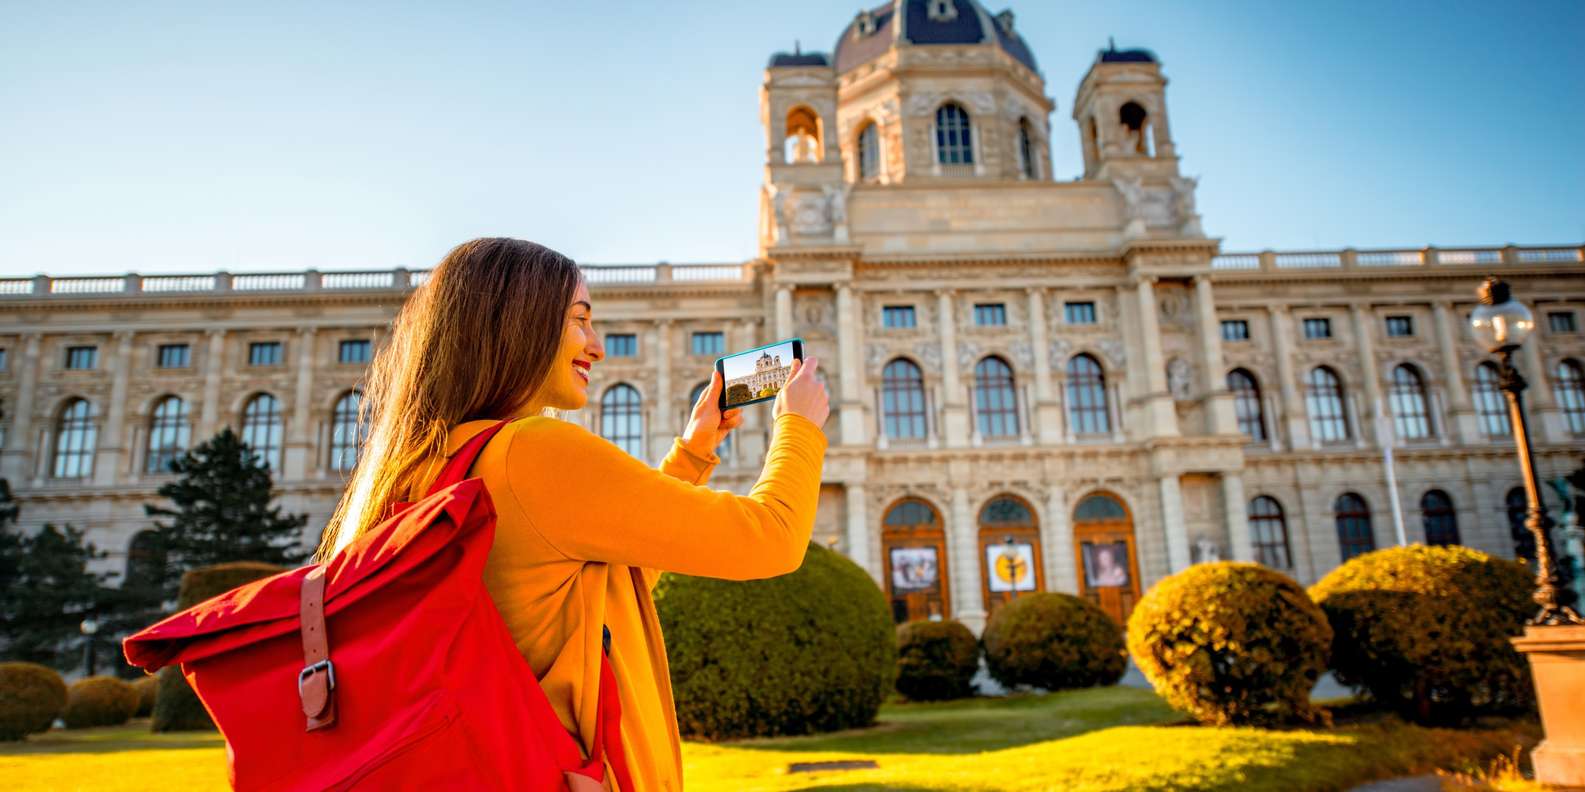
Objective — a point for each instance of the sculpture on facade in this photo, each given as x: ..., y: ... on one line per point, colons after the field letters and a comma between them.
x: 1183, y: 205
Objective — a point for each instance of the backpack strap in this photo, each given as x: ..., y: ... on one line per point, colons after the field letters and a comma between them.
x: 316, y: 683
x: 457, y: 469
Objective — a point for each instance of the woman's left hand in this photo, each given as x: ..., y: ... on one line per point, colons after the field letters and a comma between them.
x: 708, y: 426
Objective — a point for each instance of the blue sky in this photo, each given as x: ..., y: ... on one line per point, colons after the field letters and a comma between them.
x: 168, y: 137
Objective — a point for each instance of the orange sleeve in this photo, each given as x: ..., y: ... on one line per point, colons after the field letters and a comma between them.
x: 591, y: 501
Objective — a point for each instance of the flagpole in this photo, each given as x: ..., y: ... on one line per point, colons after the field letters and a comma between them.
x: 1385, y: 438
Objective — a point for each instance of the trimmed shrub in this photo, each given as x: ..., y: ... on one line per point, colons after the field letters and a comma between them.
x: 1424, y: 630
x: 100, y: 701
x: 812, y: 651
x: 31, y: 698
x: 936, y: 660
x: 176, y: 706
x: 147, y: 688
x: 1054, y: 641
x: 1232, y: 643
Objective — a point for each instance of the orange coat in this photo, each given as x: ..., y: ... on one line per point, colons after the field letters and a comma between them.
x: 575, y: 514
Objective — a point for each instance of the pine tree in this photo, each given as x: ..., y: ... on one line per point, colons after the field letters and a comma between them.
x: 46, y: 589
x: 222, y: 512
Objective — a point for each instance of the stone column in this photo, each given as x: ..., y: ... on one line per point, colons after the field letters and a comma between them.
x: 1057, y: 541
x: 1365, y: 337
x: 1172, y: 523
x: 661, y: 426
x: 1161, y: 417
x: 784, y: 312
x: 849, y: 345
x: 1546, y: 420
x: 1236, y: 509
x: 1218, y: 401
x: 859, y: 531
x: 1462, y: 413
x: 299, y: 433
x: 112, y: 438
x: 970, y: 600
x: 1293, y: 412
x: 748, y: 440
x: 953, y: 408
x: 1046, y: 410
x: 214, y: 364
x: 18, y: 463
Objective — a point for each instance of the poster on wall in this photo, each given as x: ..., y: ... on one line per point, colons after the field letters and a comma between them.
x: 1105, y: 565
x: 914, y: 569
x: 1012, y: 567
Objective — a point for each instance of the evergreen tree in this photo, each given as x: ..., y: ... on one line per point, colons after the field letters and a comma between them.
x: 46, y: 589
x: 222, y: 512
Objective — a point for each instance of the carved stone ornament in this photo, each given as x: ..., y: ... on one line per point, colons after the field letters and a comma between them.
x: 875, y: 355
x: 1022, y: 353
x: 1059, y: 352
x: 1180, y: 379
x: 968, y: 353
x: 930, y: 353
x: 1133, y: 191
x: 810, y: 214
x: 1113, y: 350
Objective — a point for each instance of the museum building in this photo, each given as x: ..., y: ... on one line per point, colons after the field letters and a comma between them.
x: 1039, y: 381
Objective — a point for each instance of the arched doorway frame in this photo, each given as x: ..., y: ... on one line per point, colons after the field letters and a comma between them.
x: 994, y: 536
x: 1099, y: 534
x: 928, y: 602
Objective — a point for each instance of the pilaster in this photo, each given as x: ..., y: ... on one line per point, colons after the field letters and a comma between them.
x: 1544, y: 413
x: 214, y: 365
x: 112, y: 439
x: 17, y: 462
x: 1047, y: 412
x: 1161, y: 417
x: 1235, y: 507
x: 299, y: 446
x: 1177, y: 534
x: 661, y: 425
x: 969, y: 604
x: 1218, y: 401
x: 1293, y: 412
x: 858, y: 538
x: 1373, y: 408
x: 1464, y: 423
x: 854, y: 421
x: 954, y: 409
x: 1057, y: 541
x: 784, y: 312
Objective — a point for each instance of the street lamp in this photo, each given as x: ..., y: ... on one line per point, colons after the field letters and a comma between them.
x: 1501, y: 324
x: 1012, y: 563
x: 88, y: 627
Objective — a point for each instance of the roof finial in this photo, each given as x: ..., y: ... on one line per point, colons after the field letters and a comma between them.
x: 1111, y: 43
x: 797, y: 48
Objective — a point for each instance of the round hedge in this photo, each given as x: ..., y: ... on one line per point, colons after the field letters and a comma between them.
x: 31, y: 698
x: 1231, y: 643
x: 1054, y: 641
x: 811, y: 651
x: 147, y: 688
x: 100, y: 701
x: 936, y: 660
x: 176, y: 706
x: 1424, y: 630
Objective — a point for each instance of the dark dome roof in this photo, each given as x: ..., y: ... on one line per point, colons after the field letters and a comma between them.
x: 972, y: 24
x: 799, y: 59
x: 1115, y: 55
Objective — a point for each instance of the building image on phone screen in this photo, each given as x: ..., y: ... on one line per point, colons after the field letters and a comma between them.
x: 757, y: 376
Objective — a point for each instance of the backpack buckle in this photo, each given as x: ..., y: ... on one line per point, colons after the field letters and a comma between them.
x: 308, y: 671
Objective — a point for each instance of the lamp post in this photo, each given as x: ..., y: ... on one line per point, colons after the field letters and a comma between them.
x: 88, y: 628
x: 1012, y: 564
x: 1501, y: 324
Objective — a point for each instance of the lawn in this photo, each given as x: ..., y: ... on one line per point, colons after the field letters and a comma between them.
x: 1088, y: 740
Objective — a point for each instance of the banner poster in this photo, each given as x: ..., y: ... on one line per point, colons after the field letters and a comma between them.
x: 1012, y: 567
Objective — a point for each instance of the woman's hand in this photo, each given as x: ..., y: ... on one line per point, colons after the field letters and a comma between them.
x: 708, y: 426
x: 804, y: 394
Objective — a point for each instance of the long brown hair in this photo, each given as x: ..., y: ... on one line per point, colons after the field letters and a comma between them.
x: 474, y: 341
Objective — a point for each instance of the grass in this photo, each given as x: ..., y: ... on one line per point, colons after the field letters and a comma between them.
x: 1085, y: 741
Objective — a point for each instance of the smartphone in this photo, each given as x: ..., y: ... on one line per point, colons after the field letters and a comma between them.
x: 757, y: 374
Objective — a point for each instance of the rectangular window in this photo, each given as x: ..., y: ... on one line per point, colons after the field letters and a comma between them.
x: 175, y: 356
x: 621, y: 345
x: 264, y: 353
x: 709, y: 344
x: 354, y: 351
x: 1400, y: 326
x: 2, y: 358
x: 898, y: 316
x: 1318, y: 328
x: 990, y: 314
x: 1235, y: 330
x: 1561, y: 322
x: 1078, y: 312
x: 82, y: 357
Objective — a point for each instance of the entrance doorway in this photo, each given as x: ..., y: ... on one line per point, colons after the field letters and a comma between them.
x: 1103, y: 548
x: 1009, y: 551
x: 914, y: 550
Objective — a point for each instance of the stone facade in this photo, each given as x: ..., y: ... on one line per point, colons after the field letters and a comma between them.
x: 993, y: 338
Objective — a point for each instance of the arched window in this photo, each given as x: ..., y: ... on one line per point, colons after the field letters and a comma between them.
x: 1438, y: 518
x: 725, y: 448
x: 916, y: 573
x: 869, y: 152
x: 261, y: 429
x: 1568, y: 386
x: 1028, y: 165
x: 903, y: 399
x: 1135, y: 128
x: 954, y: 137
x: 168, y: 434
x: 622, y: 418
x: 803, y: 135
x: 1087, y: 413
x: 995, y: 398
x: 1323, y: 397
x: 1246, y: 404
x: 1269, y: 531
x: 346, y: 433
x: 1411, y: 417
x: 145, y: 562
x: 75, y: 437
x: 1490, y: 404
x: 1354, y: 534
x: 1517, y: 506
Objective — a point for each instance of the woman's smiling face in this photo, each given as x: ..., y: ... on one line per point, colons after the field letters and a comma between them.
x: 566, y: 387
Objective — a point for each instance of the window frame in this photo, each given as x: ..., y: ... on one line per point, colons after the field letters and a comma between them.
x: 706, y: 343
x: 905, y: 409
x: 1399, y: 326
x: 366, y: 344
x: 990, y: 311
x: 868, y: 153
x: 954, y: 137
x: 160, y: 351
x: 996, y: 399
x: 888, y: 312
x: 1316, y: 394
x: 622, y: 418
x: 266, y: 423
x: 1079, y: 308
x: 1088, y: 403
x: 255, y: 347
x: 1245, y: 399
x: 347, y: 433
x: 1261, y: 522
x: 622, y: 345
x: 1241, y: 326
x: 76, y: 440
x: 1568, y: 390
x: 1491, y: 406
x: 1356, y: 530
x: 1410, y: 402
x: 89, y: 351
x: 1320, y: 324
x: 170, y: 434
x: 1555, y: 318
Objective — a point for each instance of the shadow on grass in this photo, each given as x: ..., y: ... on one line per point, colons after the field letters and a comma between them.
x: 132, y: 736
x: 984, y: 724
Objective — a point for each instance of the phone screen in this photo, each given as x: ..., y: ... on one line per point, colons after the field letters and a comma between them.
x: 757, y: 374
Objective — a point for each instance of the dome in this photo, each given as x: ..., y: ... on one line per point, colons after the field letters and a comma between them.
x: 875, y: 31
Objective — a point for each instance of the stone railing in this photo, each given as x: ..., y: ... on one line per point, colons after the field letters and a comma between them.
x: 1368, y: 260
x: 313, y: 280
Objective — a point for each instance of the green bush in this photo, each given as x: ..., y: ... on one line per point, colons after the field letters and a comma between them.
x: 100, y: 701
x: 147, y: 688
x: 176, y: 706
x: 812, y: 651
x: 1232, y: 643
x: 1424, y: 630
x: 936, y: 660
x: 31, y: 698
x: 1054, y: 641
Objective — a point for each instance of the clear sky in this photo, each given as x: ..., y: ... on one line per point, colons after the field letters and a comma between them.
x: 168, y: 137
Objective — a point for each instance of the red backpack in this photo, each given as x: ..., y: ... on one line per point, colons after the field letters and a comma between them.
x: 386, y: 667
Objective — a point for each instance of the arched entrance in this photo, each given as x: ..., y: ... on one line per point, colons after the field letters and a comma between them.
x: 1103, y: 545
x: 914, y: 550
x: 1009, y: 551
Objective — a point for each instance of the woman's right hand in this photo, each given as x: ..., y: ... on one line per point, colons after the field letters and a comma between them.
x: 804, y: 394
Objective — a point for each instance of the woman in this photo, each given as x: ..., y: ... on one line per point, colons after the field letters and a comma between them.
x: 502, y: 330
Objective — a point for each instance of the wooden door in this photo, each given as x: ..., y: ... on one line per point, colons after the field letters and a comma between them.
x: 1104, y: 551
x: 914, y: 551
x: 1009, y: 552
